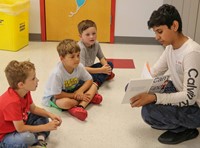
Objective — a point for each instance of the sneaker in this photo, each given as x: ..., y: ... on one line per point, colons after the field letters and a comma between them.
x: 111, y: 76
x: 169, y: 137
x: 78, y: 112
x: 97, y: 99
x: 40, y: 144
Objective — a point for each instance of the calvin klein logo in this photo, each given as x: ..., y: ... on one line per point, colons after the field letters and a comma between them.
x: 193, y: 73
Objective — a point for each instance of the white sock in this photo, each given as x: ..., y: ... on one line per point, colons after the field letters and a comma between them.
x: 41, y: 137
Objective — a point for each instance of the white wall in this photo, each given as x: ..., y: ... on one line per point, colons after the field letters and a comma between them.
x: 35, y: 17
x: 131, y: 17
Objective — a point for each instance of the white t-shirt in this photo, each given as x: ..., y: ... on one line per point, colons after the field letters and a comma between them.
x: 60, y: 80
x: 183, y: 65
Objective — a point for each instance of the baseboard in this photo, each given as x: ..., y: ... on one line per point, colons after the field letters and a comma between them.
x: 34, y: 37
x: 136, y: 40
x: 117, y: 39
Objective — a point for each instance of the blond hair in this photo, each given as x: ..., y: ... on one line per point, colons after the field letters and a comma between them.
x: 18, y: 72
x: 67, y: 46
x: 85, y: 24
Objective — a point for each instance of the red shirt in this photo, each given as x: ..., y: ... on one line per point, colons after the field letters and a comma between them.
x: 13, y: 108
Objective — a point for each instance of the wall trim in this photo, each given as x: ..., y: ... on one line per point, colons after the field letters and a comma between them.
x: 35, y: 37
x: 117, y: 39
x: 136, y: 40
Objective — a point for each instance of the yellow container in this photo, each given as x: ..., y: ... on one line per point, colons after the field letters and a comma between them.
x: 14, y: 24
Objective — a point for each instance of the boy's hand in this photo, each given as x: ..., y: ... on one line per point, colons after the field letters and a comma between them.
x: 57, y: 122
x: 52, y: 125
x: 106, y: 69
x: 78, y: 95
x: 86, y: 98
x: 56, y: 118
x: 142, y: 99
x: 83, y: 97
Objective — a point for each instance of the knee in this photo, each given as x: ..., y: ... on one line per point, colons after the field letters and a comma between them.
x: 18, y: 140
x: 111, y: 64
x: 69, y: 104
x: 145, y: 113
x: 44, y: 120
x: 29, y: 138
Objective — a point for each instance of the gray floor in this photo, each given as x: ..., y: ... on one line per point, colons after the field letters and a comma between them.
x: 109, y: 125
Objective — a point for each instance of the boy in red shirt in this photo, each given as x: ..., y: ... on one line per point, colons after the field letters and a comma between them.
x: 22, y: 123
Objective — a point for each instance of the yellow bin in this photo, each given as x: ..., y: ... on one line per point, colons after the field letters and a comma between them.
x: 14, y: 24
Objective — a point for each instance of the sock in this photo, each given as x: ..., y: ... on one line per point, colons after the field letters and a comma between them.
x: 80, y: 106
x: 41, y: 137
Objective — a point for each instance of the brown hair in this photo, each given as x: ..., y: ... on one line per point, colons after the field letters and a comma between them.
x: 18, y: 72
x: 67, y: 46
x: 85, y: 24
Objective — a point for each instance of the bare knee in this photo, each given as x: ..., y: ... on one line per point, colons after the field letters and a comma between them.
x: 69, y: 105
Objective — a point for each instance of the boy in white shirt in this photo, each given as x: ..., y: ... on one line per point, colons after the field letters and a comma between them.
x: 70, y: 87
x: 177, y: 109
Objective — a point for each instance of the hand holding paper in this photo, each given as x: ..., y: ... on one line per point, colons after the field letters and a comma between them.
x: 142, y: 99
x: 136, y: 87
x: 145, y: 85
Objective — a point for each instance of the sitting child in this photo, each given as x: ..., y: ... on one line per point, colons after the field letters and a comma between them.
x: 70, y: 86
x: 22, y: 123
x: 90, y: 49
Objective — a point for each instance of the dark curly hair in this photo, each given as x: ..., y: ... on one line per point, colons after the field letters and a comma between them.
x: 165, y: 15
